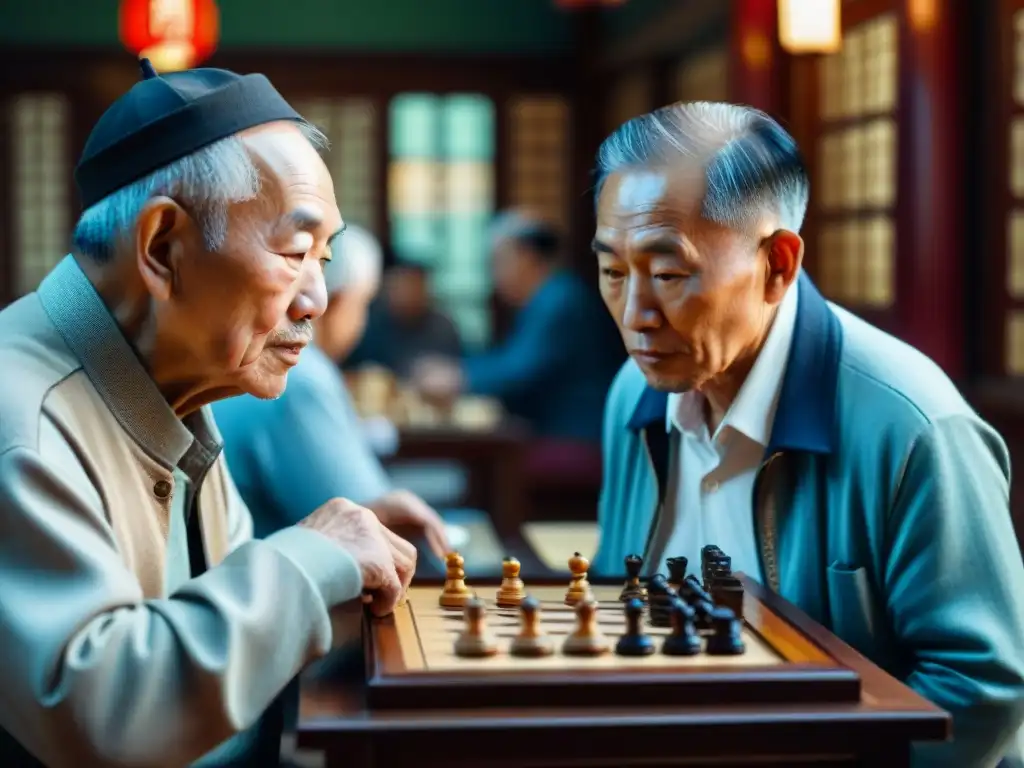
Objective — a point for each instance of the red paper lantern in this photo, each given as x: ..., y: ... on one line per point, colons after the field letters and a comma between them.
x: 172, y: 34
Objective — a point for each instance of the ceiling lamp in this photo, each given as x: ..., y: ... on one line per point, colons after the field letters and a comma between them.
x: 810, y: 26
x: 172, y: 34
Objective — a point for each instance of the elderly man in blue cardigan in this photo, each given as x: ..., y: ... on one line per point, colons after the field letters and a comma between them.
x: 836, y: 465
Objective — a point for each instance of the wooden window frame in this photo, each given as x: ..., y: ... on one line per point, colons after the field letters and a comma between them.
x: 996, y: 304
x: 810, y: 131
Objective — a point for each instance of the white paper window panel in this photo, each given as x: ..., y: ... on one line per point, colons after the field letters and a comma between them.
x: 863, y: 77
x: 350, y: 125
x: 1015, y: 254
x: 856, y: 261
x: 1018, y: 57
x: 422, y: 187
x: 42, y: 174
x: 858, y: 166
x: 703, y: 76
x: 1014, y: 344
x: 1016, y: 169
x: 539, y: 150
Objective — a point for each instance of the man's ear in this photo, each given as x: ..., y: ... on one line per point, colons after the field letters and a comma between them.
x: 785, y: 256
x: 163, y: 233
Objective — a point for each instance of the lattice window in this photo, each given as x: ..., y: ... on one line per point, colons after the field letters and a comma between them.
x: 441, y: 198
x: 856, y: 189
x: 703, y: 77
x: 1014, y: 335
x: 539, y: 141
x: 40, y: 185
x: 350, y: 125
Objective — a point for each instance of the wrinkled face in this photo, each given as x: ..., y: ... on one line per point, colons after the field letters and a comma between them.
x: 343, y: 324
x: 510, y: 265
x: 689, y: 297
x: 239, y: 318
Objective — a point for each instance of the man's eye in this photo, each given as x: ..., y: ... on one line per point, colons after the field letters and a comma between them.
x: 611, y: 272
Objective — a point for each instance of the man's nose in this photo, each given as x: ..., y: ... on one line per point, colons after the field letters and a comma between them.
x: 641, y: 311
x: 310, y: 300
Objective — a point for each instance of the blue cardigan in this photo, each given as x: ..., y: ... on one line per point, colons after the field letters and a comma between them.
x: 882, y: 511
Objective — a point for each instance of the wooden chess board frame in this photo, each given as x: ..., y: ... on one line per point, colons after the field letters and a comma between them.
x: 809, y: 673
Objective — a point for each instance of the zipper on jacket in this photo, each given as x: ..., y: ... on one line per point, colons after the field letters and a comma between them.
x: 656, y: 520
x: 764, y: 526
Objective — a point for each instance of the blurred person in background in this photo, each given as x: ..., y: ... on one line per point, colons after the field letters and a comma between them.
x: 404, y: 325
x: 554, y: 369
x: 309, y: 443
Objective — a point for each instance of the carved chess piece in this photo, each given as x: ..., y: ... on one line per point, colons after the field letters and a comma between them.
x: 727, y: 634
x: 512, y: 591
x: 455, y: 593
x: 684, y: 640
x: 632, y: 587
x: 659, y: 597
x: 586, y: 639
x: 475, y: 641
x: 727, y: 592
x: 579, y: 587
x: 709, y: 556
x: 634, y: 641
x: 531, y: 640
x: 676, y: 571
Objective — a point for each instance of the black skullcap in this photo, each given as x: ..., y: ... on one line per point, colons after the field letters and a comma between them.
x: 164, y: 118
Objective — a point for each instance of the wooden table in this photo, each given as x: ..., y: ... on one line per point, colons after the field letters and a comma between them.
x: 356, y: 726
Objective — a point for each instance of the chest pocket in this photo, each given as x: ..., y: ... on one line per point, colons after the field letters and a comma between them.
x: 856, y: 615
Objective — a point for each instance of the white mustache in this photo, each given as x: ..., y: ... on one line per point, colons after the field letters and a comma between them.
x: 298, y: 334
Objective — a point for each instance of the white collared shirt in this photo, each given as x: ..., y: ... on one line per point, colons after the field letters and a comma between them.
x: 710, y: 491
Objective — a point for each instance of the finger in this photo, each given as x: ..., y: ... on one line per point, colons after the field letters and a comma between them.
x: 437, y: 539
x: 387, y: 594
x: 400, y: 544
x: 405, y: 567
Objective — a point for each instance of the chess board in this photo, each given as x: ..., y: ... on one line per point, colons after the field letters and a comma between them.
x: 412, y: 663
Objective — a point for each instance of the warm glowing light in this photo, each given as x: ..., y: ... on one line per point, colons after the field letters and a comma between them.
x: 810, y: 26
x: 922, y: 14
x: 172, y: 34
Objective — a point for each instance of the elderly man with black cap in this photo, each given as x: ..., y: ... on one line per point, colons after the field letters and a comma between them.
x: 139, y: 621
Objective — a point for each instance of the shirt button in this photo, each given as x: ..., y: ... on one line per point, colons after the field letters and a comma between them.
x: 710, y: 486
x: 162, y: 489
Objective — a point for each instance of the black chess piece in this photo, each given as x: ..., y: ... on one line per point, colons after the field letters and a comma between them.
x: 727, y: 634
x: 727, y: 592
x: 659, y: 599
x: 676, y: 571
x: 692, y: 591
x: 703, y: 609
x: 632, y: 587
x: 708, y: 554
x: 634, y: 642
x: 684, y: 640
x: 719, y: 568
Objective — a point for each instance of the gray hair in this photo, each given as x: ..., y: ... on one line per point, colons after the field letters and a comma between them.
x: 207, y: 182
x: 754, y: 167
x: 356, y: 262
x: 528, y: 230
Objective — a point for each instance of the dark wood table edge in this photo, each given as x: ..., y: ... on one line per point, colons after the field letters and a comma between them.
x: 883, y: 688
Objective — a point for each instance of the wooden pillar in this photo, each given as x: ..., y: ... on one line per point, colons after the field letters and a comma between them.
x: 590, y: 87
x: 756, y: 62
x: 930, y: 207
